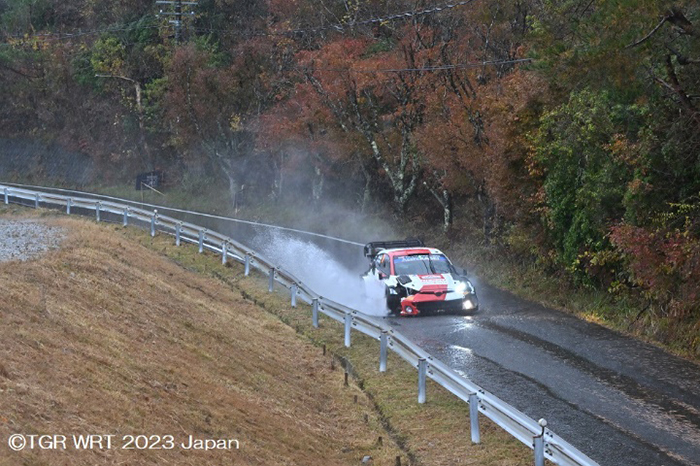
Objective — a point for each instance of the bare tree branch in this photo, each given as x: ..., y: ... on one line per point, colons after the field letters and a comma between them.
x: 676, y: 85
x: 673, y: 85
x: 682, y: 59
x: 676, y: 17
x: 653, y: 31
x: 18, y: 72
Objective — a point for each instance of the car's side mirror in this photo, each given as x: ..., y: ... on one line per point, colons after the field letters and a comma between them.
x: 461, y: 271
x: 382, y: 275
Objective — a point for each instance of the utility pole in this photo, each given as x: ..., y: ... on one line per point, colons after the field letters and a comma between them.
x: 177, y: 13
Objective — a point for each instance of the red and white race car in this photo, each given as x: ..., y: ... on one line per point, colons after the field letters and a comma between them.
x: 417, y: 279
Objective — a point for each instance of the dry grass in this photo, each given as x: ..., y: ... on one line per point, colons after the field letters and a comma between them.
x: 436, y: 433
x: 106, y: 336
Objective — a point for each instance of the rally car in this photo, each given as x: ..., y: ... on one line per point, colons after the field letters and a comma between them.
x: 418, y: 279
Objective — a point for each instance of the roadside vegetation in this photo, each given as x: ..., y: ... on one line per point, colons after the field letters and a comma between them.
x: 552, y: 144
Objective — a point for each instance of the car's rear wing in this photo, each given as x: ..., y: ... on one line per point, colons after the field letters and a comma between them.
x: 371, y: 249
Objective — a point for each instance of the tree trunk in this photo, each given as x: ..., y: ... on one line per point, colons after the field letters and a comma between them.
x: 317, y: 186
x: 445, y: 199
x: 447, y: 210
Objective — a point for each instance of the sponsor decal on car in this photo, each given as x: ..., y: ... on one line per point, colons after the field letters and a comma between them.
x: 420, y: 257
x: 432, y: 279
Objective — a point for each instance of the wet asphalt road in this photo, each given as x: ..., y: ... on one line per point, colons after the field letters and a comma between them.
x: 620, y: 401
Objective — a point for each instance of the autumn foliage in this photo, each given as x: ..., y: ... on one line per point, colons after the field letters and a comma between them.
x: 560, y: 134
x: 664, y: 264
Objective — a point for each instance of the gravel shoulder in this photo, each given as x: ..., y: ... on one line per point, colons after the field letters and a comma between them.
x: 21, y: 240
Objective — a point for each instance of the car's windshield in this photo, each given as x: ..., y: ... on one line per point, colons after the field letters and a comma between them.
x: 421, y: 264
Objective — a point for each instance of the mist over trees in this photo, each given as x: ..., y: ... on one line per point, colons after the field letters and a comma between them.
x: 563, y: 133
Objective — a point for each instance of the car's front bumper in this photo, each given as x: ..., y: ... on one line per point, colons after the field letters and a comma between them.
x: 421, y: 304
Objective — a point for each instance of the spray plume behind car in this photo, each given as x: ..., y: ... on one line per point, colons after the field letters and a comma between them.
x: 321, y: 272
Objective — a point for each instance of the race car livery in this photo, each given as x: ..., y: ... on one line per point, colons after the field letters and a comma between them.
x: 418, y: 280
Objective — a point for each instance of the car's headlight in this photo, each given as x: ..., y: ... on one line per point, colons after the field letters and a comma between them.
x: 464, y: 287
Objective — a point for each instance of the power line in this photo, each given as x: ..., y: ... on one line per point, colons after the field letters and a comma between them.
x: 427, y: 68
x: 340, y: 27
x: 386, y: 19
x: 54, y: 36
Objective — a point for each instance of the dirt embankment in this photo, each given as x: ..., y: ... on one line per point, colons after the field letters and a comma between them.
x: 103, y: 336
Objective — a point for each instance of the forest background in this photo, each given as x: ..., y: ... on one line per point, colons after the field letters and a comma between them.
x: 561, y: 137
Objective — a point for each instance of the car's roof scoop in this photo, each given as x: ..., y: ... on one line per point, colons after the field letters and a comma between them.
x: 371, y: 249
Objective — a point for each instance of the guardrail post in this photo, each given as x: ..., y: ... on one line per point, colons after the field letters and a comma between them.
x: 474, y: 417
x: 201, y: 241
x: 97, y: 211
x: 293, y: 291
x: 178, y: 228
x: 68, y: 204
x: 348, y: 323
x: 247, y: 265
x: 538, y: 443
x: 153, y: 222
x: 7, y: 197
x: 314, y: 312
x: 383, y: 346
x: 36, y: 201
x: 224, y: 247
x: 271, y: 283
x: 422, y: 370
x: 539, y: 450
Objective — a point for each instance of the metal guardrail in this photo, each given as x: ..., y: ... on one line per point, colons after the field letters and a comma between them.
x: 534, y: 434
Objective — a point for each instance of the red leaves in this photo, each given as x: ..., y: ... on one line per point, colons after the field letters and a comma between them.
x: 666, y: 264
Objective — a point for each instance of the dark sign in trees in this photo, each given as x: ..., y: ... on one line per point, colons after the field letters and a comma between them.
x: 148, y: 180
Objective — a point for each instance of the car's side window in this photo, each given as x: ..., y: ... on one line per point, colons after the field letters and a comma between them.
x: 383, y: 264
x: 375, y: 264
